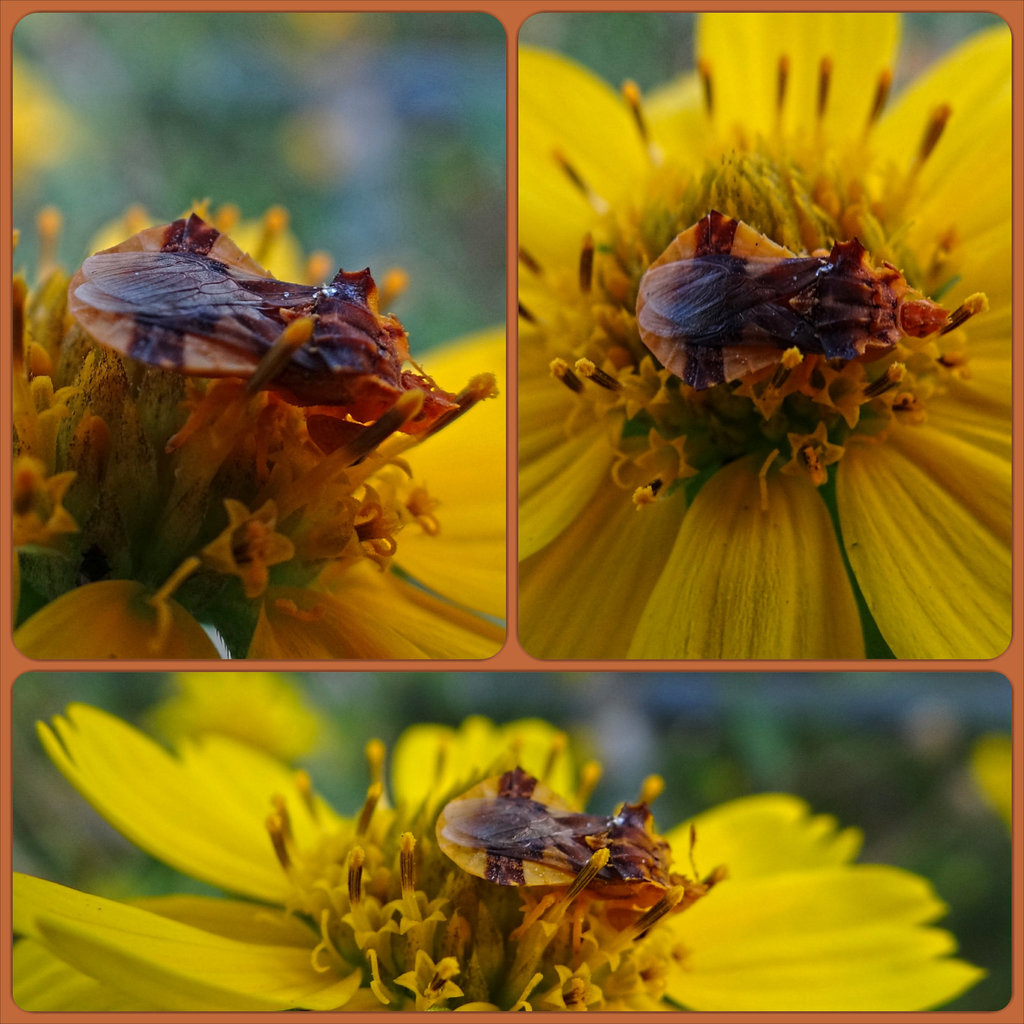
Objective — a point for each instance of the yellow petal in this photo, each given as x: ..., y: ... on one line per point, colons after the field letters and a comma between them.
x: 372, y: 616
x: 173, y: 965
x: 429, y: 761
x: 743, y: 582
x: 846, y: 938
x: 743, y: 52
x: 564, y: 109
x: 203, y: 813
x: 925, y: 521
x: 732, y: 835
x: 584, y: 594
x: 975, y: 146
x: 464, y: 469
x: 121, y: 624
x: 42, y: 982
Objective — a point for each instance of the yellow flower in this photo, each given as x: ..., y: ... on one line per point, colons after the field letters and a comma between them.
x: 992, y: 769
x: 159, y: 508
x: 813, y: 509
x: 365, y: 911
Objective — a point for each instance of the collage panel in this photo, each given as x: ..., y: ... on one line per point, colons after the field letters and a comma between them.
x: 201, y: 841
x: 765, y: 336
x: 225, y: 445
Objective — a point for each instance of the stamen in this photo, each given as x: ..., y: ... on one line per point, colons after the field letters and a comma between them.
x: 285, y: 819
x: 824, y: 82
x: 275, y: 220
x: 600, y: 205
x: 646, y: 494
x: 781, y: 81
x: 532, y: 916
x: 643, y: 924
x: 319, y: 266
x: 598, y: 859
x: 651, y: 789
x: 526, y: 314
x: 704, y: 70
x: 373, y: 795
x: 933, y: 132
x: 304, y: 784
x: 558, y: 744
x: 894, y: 373
x: 481, y: 386
x: 275, y: 829
x: 587, y: 263
x: 355, y: 874
x: 631, y: 94
x: 762, y: 478
x: 159, y: 600
x: 971, y: 306
x: 407, y: 864
x: 560, y: 370
x: 810, y: 456
x: 529, y: 262
x: 395, y: 282
x: 277, y: 357
x: 881, y: 96
x: 790, y: 360
x: 377, y: 986
x: 590, y: 775
x: 586, y: 368
x: 406, y: 407
x: 375, y: 754
x: 48, y: 225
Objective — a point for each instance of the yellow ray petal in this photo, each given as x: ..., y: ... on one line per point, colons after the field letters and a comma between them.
x: 847, y: 938
x: 732, y: 834
x: 566, y: 110
x: 583, y: 595
x: 42, y: 982
x: 743, y: 52
x: 122, y: 624
x: 374, y: 616
x: 173, y: 965
x: 742, y: 582
x: 203, y: 814
x: 925, y: 522
x: 464, y: 470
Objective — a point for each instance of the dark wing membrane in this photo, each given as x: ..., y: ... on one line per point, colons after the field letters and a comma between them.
x: 716, y: 301
x: 158, y: 284
x: 520, y: 829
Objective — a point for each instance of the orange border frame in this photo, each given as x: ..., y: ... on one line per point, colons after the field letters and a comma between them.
x: 512, y: 13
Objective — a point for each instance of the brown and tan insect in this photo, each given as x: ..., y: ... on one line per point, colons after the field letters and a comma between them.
x: 723, y: 301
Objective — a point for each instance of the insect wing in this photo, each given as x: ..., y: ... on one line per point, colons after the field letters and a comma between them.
x: 181, y: 310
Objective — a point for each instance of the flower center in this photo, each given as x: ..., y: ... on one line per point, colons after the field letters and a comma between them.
x: 781, y: 337
x: 382, y: 897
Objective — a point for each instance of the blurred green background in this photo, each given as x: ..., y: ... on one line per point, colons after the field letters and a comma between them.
x: 651, y: 48
x: 889, y: 753
x: 382, y: 134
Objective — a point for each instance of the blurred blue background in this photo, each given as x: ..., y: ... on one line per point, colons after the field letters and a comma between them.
x: 382, y: 134
x: 887, y: 752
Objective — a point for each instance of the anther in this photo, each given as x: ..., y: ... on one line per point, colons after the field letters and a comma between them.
x: 824, y: 82
x: 790, y: 360
x: 406, y: 407
x: 275, y: 220
x: 631, y: 94
x: 304, y: 785
x: 971, y: 306
x: 528, y: 261
x: 652, y: 788
x: 590, y: 775
x: 600, y: 205
x: 810, y: 456
x: 598, y: 860
x: 373, y: 795
x: 355, y: 874
x: 881, y: 96
x: 781, y: 81
x: 395, y: 282
x: 587, y: 368
x: 557, y: 748
x: 48, y: 226
x: 375, y: 753
x: 480, y: 386
x: 526, y: 314
x: 407, y: 863
x: 672, y: 898
x: 704, y: 70
x: 933, y: 132
x: 278, y: 356
x: 275, y: 830
x: 894, y: 373
x: 587, y: 263
x: 281, y: 812
x: 646, y: 494
x: 561, y: 370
